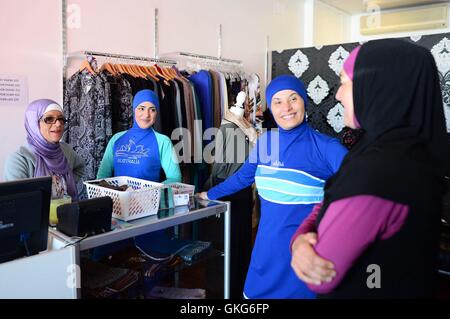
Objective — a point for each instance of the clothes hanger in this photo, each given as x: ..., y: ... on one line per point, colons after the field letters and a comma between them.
x: 137, y: 71
x: 119, y: 68
x: 151, y: 70
x: 160, y: 72
x: 85, y: 65
x: 168, y: 73
x: 108, y: 67
x: 122, y: 68
x: 141, y: 70
x: 164, y: 72
x: 147, y: 72
x: 130, y: 71
x: 177, y: 73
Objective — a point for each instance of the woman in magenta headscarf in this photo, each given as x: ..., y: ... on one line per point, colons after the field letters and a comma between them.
x: 45, y: 154
x: 376, y: 233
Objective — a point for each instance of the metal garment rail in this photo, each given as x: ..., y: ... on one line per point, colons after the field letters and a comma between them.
x: 119, y: 56
x: 200, y: 56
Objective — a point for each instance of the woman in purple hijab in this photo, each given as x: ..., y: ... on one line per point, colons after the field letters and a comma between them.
x: 45, y: 154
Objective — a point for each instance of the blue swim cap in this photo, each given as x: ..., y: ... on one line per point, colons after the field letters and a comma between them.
x: 145, y: 96
x: 285, y: 82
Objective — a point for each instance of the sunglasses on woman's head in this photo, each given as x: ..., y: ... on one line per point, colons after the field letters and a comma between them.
x: 53, y: 119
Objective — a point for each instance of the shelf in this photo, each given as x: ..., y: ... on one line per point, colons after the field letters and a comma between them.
x: 205, y: 273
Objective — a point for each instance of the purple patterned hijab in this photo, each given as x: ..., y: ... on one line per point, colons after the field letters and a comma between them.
x: 50, y: 159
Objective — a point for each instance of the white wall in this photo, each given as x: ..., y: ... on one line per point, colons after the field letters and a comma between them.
x: 31, y: 47
x: 331, y: 26
x: 32, y: 37
x: 127, y: 27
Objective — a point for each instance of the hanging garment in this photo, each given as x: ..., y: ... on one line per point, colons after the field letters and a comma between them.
x: 157, y: 126
x: 198, y: 132
x: 216, y: 98
x: 223, y: 95
x: 103, y: 116
x: 168, y: 108
x: 80, y: 102
x: 190, y: 115
x: 179, y: 115
x: 122, y: 111
x: 203, y: 88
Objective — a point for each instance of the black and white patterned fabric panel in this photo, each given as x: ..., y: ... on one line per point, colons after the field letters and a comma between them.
x: 319, y: 68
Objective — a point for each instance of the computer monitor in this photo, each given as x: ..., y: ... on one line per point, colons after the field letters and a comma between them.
x: 24, y: 214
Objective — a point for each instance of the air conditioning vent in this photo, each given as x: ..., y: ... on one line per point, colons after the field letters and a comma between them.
x: 403, y: 21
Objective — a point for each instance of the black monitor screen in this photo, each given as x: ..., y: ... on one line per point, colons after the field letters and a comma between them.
x: 24, y: 213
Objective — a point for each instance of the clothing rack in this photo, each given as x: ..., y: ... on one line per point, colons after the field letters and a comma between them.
x: 209, y: 58
x: 81, y: 54
x: 84, y: 54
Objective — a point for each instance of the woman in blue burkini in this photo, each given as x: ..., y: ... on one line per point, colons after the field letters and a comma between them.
x: 139, y: 152
x: 290, y: 180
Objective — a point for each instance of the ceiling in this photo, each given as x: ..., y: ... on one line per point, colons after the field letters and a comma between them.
x: 362, y: 6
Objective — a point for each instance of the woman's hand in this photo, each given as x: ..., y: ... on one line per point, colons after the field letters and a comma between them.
x: 310, y: 267
x: 203, y: 195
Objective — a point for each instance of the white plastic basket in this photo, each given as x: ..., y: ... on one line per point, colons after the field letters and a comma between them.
x: 181, y: 193
x: 142, y: 201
